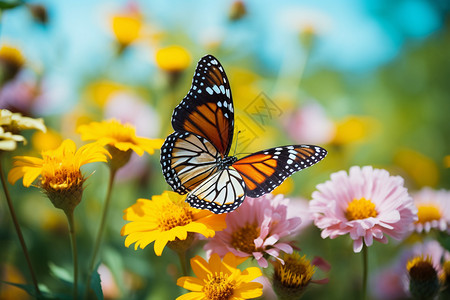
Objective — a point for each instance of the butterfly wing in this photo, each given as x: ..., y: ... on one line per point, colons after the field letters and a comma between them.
x: 187, y: 160
x: 263, y: 171
x: 220, y: 193
x: 207, y: 110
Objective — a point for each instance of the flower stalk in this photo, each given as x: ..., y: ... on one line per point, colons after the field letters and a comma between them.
x: 73, y: 242
x: 101, y: 229
x: 18, y: 230
x: 365, y: 271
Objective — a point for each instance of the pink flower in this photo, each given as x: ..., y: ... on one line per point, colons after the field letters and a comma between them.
x: 310, y: 125
x: 256, y: 229
x: 433, y: 210
x: 299, y: 207
x: 367, y: 203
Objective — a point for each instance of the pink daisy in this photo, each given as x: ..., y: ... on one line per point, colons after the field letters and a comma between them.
x: 256, y: 229
x: 433, y: 210
x: 366, y: 203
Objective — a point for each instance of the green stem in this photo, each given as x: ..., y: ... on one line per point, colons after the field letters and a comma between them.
x: 18, y: 230
x: 183, y: 264
x: 365, y: 271
x: 73, y: 242
x: 100, y: 230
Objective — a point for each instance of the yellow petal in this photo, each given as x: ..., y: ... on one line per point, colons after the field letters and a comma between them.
x: 249, y: 290
x: 191, y: 283
x: 251, y: 274
x: 160, y: 243
x: 138, y: 227
x: 233, y: 260
x: 30, y: 175
x: 192, y: 296
x: 200, y: 267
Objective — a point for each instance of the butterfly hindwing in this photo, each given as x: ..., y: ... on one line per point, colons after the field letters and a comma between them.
x: 220, y: 193
x: 207, y: 110
x: 187, y: 160
x: 263, y: 171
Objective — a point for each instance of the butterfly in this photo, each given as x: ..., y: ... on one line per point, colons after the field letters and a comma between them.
x: 194, y: 158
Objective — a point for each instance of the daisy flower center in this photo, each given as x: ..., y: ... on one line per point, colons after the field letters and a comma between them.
x: 243, y: 239
x: 173, y: 216
x: 296, y: 271
x: 421, y: 268
x: 61, y: 178
x: 427, y: 213
x: 218, y: 287
x: 360, y: 209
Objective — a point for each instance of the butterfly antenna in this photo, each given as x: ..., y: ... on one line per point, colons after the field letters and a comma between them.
x: 235, y: 146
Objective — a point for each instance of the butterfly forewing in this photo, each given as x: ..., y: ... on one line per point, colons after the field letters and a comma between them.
x: 207, y: 110
x: 187, y: 160
x: 265, y: 170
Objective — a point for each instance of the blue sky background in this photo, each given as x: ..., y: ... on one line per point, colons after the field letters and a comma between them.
x: 359, y: 36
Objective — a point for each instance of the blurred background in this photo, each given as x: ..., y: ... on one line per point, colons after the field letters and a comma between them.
x: 367, y: 80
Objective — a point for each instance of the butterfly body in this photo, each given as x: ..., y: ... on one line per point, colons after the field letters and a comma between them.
x: 195, y: 158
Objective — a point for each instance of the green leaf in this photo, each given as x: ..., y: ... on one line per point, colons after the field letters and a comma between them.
x: 5, y: 4
x: 95, y: 283
x: 60, y: 273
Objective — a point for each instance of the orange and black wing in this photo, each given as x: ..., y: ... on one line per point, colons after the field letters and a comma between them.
x: 207, y: 110
x: 263, y: 171
x: 187, y: 160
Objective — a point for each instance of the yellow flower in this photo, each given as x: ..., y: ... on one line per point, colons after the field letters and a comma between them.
x: 11, y: 61
x: 58, y: 171
x: 237, y: 11
x: 447, y: 161
x: 423, y: 278
x: 11, y: 54
x: 121, y: 136
x: 126, y: 27
x: 291, y: 278
x: 173, y: 59
x: 424, y: 171
x: 101, y: 91
x: 354, y: 129
x: 221, y: 279
x: 43, y: 141
x: 167, y: 218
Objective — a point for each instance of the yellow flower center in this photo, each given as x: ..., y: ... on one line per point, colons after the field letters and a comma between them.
x: 218, y: 287
x: 421, y: 269
x: 173, y: 216
x: 63, y: 185
x: 427, y: 213
x: 243, y: 239
x: 296, y: 272
x: 360, y: 209
x: 61, y: 178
